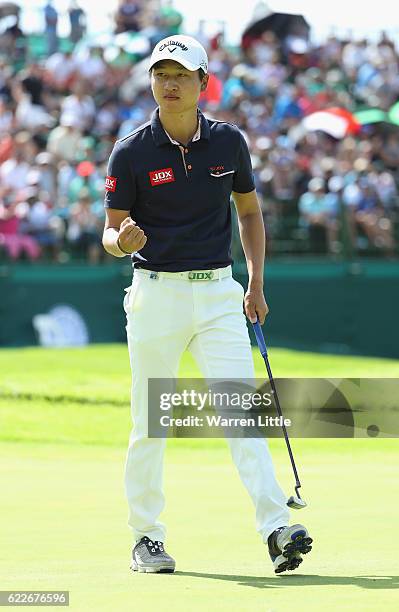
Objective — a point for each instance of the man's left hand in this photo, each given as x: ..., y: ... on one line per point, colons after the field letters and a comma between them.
x: 255, y: 304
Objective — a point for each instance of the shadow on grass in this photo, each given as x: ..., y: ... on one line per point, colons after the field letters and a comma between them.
x: 264, y: 582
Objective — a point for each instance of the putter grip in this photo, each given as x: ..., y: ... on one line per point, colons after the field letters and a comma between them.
x: 260, y: 338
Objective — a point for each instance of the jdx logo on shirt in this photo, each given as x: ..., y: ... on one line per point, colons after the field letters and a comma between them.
x: 157, y: 177
x: 110, y: 183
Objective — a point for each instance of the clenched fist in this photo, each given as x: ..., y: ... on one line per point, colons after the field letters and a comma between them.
x: 131, y: 237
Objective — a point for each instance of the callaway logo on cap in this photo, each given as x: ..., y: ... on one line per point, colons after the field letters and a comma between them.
x: 182, y: 49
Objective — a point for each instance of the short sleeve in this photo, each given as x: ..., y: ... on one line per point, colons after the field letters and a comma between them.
x: 243, y: 179
x: 120, y: 186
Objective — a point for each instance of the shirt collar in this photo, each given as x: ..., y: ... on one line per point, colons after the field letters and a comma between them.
x: 161, y: 137
x: 196, y: 136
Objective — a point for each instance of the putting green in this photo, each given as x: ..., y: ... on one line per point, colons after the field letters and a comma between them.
x: 64, y: 425
x: 64, y: 527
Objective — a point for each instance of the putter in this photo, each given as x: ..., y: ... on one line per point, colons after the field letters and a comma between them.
x: 295, y: 501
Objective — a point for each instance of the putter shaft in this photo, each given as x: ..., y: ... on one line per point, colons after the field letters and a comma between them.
x: 262, y: 347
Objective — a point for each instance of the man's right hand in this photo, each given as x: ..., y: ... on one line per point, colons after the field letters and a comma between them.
x: 131, y: 237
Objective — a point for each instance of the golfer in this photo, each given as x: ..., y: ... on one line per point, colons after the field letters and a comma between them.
x: 167, y: 205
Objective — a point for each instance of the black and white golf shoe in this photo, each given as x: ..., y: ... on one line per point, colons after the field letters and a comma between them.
x: 149, y: 556
x: 286, y: 545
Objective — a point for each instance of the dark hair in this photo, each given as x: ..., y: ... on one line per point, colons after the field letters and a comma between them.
x: 201, y: 72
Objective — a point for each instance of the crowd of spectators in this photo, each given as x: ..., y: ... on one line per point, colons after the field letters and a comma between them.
x: 61, y: 112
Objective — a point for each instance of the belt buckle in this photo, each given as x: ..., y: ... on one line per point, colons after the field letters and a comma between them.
x: 206, y: 275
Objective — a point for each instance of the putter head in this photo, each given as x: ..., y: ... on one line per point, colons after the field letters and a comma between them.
x: 296, y: 502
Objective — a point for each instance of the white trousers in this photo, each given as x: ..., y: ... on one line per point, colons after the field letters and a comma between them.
x: 164, y: 318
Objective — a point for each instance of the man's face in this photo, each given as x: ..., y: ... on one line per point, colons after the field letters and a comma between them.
x: 175, y: 88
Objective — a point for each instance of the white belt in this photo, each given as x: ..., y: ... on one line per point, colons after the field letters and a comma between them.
x: 192, y: 275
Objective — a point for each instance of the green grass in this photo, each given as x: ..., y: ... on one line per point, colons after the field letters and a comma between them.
x: 64, y: 426
x: 65, y: 514
x: 79, y: 396
x: 101, y: 372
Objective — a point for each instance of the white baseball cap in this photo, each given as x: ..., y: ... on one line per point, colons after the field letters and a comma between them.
x: 182, y: 49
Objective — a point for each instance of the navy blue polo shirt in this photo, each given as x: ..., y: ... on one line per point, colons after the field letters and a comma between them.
x: 180, y: 195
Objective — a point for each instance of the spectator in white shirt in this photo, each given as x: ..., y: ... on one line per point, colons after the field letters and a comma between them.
x: 60, y: 68
x: 64, y: 140
x: 80, y: 106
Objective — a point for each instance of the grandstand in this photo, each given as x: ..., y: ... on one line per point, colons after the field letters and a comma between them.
x: 278, y: 87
